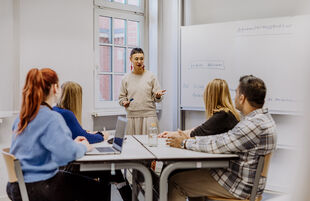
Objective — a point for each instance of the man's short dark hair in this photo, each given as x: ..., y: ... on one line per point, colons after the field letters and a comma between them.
x: 254, y: 90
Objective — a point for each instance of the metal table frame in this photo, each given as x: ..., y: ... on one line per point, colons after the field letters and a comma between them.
x: 163, y: 183
x: 106, y: 165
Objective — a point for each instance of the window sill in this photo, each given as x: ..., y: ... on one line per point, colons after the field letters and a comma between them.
x: 116, y: 111
x: 109, y: 112
x: 5, y: 114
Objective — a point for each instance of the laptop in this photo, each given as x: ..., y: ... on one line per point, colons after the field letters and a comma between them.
x: 117, y: 142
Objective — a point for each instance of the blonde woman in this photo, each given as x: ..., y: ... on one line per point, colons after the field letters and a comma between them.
x: 70, y: 107
x: 220, y: 112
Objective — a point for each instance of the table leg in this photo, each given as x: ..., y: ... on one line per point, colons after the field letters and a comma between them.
x: 134, y: 185
x: 136, y: 166
x: 163, y: 183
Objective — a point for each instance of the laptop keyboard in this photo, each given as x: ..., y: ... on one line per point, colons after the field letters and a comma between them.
x: 105, y: 149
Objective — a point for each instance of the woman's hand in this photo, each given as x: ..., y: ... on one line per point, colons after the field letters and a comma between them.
x: 167, y: 134
x: 83, y: 140
x: 160, y: 93
x: 126, y: 103
x: 106, y: 135
x: 177, y: 140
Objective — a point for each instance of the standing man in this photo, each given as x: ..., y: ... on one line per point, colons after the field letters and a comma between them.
x: 253, y: 136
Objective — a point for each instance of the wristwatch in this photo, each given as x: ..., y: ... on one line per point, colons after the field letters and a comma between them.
x: 183, y: 144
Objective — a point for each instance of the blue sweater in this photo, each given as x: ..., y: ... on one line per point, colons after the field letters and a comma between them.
x: 75, y: 126
x: 44, y: 145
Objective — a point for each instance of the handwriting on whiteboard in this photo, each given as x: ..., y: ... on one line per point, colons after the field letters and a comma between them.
x: 207, y: 64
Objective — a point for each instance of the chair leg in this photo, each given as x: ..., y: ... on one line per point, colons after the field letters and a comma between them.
x: 107, y: 190
x: 126, y: 193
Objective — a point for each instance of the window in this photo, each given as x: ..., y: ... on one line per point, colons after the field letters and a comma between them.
x: 117, y: 32
x: 122, y: 5
x: 129, y: 2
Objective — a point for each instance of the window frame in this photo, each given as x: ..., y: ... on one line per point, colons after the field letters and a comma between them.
x: 120, y: 6
x: 112, y: 107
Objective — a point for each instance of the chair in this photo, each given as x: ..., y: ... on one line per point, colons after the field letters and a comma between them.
x: 261, y: 171
x: 15, y: 173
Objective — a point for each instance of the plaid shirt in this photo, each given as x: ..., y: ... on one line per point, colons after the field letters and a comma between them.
x: 253, y: 136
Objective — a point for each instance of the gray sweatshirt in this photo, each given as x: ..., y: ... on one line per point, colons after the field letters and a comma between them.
x: 142, y: 89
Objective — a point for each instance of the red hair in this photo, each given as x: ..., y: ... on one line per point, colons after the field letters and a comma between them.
x: 36, y: 90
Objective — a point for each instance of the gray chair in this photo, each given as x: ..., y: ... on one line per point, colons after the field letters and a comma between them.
x: 15, y: 173
x: 261, y: 171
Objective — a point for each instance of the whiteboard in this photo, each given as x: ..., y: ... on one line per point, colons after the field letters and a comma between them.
x: 275, y: 50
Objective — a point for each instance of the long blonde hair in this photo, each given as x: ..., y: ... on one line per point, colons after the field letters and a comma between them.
x: 71, y: 99
x: 217, y: 98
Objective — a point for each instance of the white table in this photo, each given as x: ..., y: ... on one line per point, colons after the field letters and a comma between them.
x: 132, y: 156
x: 182, y: 159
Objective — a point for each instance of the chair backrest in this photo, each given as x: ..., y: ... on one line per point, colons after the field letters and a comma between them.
x: 15, y: 173
x: 266, y: 165
x: 261, y: 171
x: 9, y: 162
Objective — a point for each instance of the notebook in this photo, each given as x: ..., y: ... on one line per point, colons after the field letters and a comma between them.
x: 117, y: 142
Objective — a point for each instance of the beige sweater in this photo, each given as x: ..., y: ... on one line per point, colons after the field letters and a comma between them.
x: 142, y: 89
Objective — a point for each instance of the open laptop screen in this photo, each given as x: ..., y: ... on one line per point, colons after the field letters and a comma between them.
x: 118, y: 143
x: 119, y: 133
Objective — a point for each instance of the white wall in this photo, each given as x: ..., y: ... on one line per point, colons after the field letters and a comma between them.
x: 8, y: 56
x: 59, y: 34
x: 168, y: 59
x: 214, y: 11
